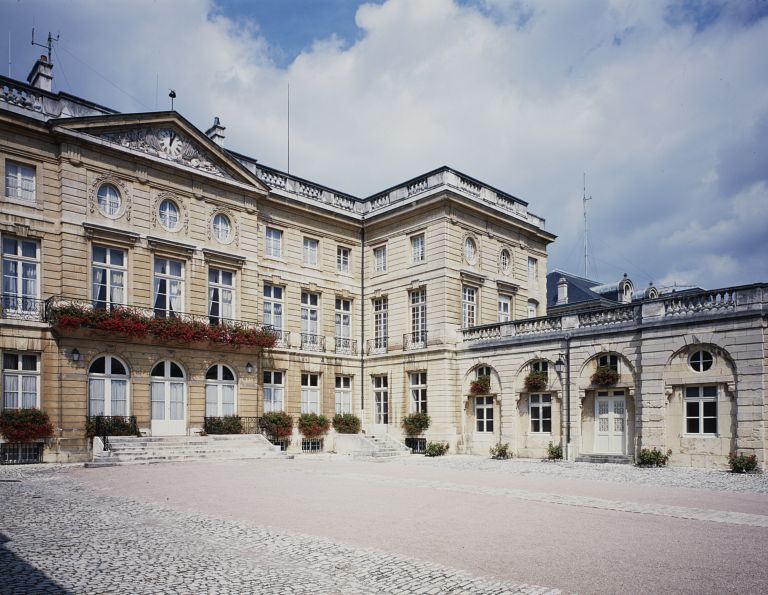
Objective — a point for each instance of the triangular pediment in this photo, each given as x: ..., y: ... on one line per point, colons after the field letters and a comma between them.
x: 165, y: 136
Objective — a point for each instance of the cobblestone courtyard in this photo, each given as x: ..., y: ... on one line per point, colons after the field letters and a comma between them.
x: 415, y: 525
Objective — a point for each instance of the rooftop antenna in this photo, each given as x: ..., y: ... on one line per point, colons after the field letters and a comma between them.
x: 288, y: 132
x: 172, y: 95
x: 584, y: 199
x: 9, y: 53
x: 48, y: 45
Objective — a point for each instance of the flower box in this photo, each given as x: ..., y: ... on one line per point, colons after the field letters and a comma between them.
x: 605, y: 376
x: 536, y: 381
x: 481, y: 386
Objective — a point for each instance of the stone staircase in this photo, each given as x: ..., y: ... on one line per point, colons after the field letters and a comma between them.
x: 596, y: 458
x: 383, y: 447
x: 125, y: 450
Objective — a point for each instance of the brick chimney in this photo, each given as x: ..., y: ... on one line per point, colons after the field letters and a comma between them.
x: 41, y: 75
x: 216, y: 132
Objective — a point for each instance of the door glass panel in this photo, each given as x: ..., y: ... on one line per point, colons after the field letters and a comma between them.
x: 158, y: 400
x: 177, y: 401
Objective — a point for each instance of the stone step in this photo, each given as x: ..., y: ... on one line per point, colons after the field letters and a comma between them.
x: 601, y: 458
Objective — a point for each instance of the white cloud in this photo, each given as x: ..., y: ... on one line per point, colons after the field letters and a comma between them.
x: 525, y: 96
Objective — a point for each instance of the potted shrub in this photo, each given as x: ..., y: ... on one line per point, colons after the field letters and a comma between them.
x: 653, y: 457
x: 278, y: 425
x: 605, y: 376
x: 416, y: 423
x: 500, y: 451
x: 436, y: 449
x: 346, y: 423
x: 535, y: 381
x: 312, y: 425
x: 480, y: 386
x: 741, y: 463
x: 554, y: 452
x: 25, y: 425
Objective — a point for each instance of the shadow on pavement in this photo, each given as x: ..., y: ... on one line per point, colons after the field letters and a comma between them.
x: 18, y: 576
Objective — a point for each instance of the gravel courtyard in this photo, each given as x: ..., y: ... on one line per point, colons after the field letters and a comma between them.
x: 457, y: 524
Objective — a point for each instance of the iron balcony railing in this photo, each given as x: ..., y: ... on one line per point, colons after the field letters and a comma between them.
x: 105, y: 426
x: 415, y: 340
x: 283, y: 338
x: 346, y: 346
x: 310, y: 342
x: 232, y: 424
x: 377, y: 345
x: 15, y: 307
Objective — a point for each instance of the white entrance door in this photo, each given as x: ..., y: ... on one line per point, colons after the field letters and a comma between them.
x: 380, y: 405
x: 168, y: 392
x: 610, y: 422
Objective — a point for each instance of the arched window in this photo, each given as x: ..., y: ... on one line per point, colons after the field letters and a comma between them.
x: 168, y: 389
x: 107, y: 387
x: 220, y: 391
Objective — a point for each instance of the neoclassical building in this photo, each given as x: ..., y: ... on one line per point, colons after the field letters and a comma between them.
x: 382, y: 305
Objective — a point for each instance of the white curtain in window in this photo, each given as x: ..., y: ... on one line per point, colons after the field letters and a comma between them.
x: 96, y: 396
x: 213, y: 301
x: 226, y: 303
x: 10, y: 391
x: 175, y: 296
x: 119, y: 397
x: 99, y: 287
x: 116, y: 287
x: 10, y: 272
x: 227, y: 399
x: 158, y: 400
x: 29, y: 274
x: 28, y: 392
x: 211, y: 400
x: 177, y: 400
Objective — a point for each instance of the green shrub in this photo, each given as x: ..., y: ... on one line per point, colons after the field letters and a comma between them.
x: 346, y: 423
x: 436, y: 449
x: 554, y: 452
x: 416, y: 423
x: 312, y: 425
x: 741, y: 463
x: 653, y: 457
x: 230, y: 424
x: 25, y: 425
x: 277, y: 425
x: 500, y: 451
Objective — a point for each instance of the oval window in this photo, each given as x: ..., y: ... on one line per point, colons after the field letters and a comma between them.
x: 701, y: 361
x: 108, y: 198
x: 169, y: 214
x: 221, y: 228
x: 470, y: 250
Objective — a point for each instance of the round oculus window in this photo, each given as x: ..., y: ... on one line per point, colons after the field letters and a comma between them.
x: 701, y: 361
x: 505, y: 260
x: 470, y: 250
x: 168, y: 214
x: 108, y: 198
x: 222, y: 228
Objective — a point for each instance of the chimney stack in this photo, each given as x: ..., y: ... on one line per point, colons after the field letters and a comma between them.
x: 562, y: 291
x: 216, y: 132
x: 41, y: 75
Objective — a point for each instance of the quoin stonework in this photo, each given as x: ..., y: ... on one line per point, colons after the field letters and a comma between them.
x: 430, y: 296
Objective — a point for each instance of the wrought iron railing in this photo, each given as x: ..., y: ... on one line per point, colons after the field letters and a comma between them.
x: 346, y: 346
x: 418, y: 446
x: 377, y: 345
x: 105, y: 426
x: 283, y: 337
x: 232, y: 424
x: 21, y: 453
x: 310, y: 342
x: 311, y: 445
x: 14, y: 307
x: 415, y: 340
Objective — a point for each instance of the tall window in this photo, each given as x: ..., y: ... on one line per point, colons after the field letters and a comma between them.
x: 342, y: 259
x: 505, y: 308
x: 107, y: 387
x: 169, y: 287
x: 310, y: 252
x: 484, y: 414
x: 701, y: 409
x: 380, y: 259
x: 21, y: 380
x: 541, y: 413
x: 343, y: 325
x: 343, y: 394
x: 167, y: 392
x: 419, y: 316
x: 380, y: 400
x: 533, y: 271
x: 468, y: 306
x: 310, y: 393
x: 273, y: 390
x: 19, y: 181
x: 221, y: 293
x: 608, y: 361
x: 21, y: 262
x: 418, y: 251
x: 533, y: 308
x: 380, y: 324
x: 418, y: 385
x: 310, y: 312
x: 273, y: 306
x: 220, y: 391
x: 108, y: 277
x: 274, y: 242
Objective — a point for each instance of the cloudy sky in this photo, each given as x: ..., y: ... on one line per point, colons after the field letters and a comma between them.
x: 664, y: 105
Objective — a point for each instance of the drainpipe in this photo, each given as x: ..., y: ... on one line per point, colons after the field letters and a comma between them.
x: 362, y: 319
x: 567, y: 396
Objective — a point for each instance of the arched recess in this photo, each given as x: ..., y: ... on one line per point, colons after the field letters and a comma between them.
x: 108, y: 386
x: 220, y: 391
x: 482, y: 406
x: 168, y: 398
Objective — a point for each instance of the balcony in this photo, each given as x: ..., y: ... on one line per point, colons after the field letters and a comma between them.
x: 311, y: 342
x: 346, y: 346
x: 14, y: 307
x: 282, y: 338
x: 377, y: 346
x: 415, y: 340
x: 68, y: 316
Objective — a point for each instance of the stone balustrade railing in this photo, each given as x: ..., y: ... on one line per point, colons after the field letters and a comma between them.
x: 612, y: 316
x: 719, y: 299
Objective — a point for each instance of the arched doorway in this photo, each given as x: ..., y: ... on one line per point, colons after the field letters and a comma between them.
x: 168, y: 394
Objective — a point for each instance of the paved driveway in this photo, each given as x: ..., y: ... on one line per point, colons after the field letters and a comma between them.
x: 460, y: 524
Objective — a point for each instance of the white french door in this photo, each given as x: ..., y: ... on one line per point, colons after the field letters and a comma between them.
x: 168, y: 395
x: 610, y: 422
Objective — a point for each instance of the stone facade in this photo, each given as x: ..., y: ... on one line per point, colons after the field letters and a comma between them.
x: 383, y: 305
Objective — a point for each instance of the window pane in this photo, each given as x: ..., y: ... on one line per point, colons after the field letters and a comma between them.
x: 692, y: 409
x: 710, y: 391
x: 118, y: 368
x: 29, y: 362
x: 710, y: 425
x: 176, y: 371
x: 692, y: 425
x: 710, y: 408
x: 98, y: 366
x: 158, y: 370
x: 546, y: 425
x: 211, y: 374
x: 691, y: 392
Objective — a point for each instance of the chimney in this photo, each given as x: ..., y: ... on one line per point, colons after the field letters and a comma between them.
x: 216, y: 132
x: 562, y: 291
x: 41, y: 75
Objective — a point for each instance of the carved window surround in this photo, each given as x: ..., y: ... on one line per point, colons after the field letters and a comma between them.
x: 170, y: 248
x: 470, y: 278
x: 223, y: 259
x: 110, y: 235
x: 506, y: 287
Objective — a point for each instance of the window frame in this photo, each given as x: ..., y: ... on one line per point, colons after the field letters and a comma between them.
x: 167, y: 311
x: 700, y: 417
x: 417, y: 389
x: 221, y: 287
x: 701, y: 361
x: 380, y: 259
x: 381, y: 323
x: 271, y: 301
x: 343, y: 394
x: 161, y: 218
x: 468, y: 306
x: 109, y: 267
x: 20, y: 373
x: 533, y: 271
x: 343, y: 259
x: 310, y: 393
x: 20, y: 260
x: 501, y: 316
x: 542, y: 402
x: 219, y: 384
x: 311, y: 252
x: 273, y: 242
x: 505, y: 261
x: 19, y: 185
x: 109, y: 377
x: 105, y: 209
x: 470, y: 249
x: 533, y: 309
x: 418, y: 305
x: 216, y: 228
x: 381, y: 399
x: 484, y: 423
x: 418, y: 248
x: 308, y: 307
x: 608, y: 360
x: 275, y: 390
